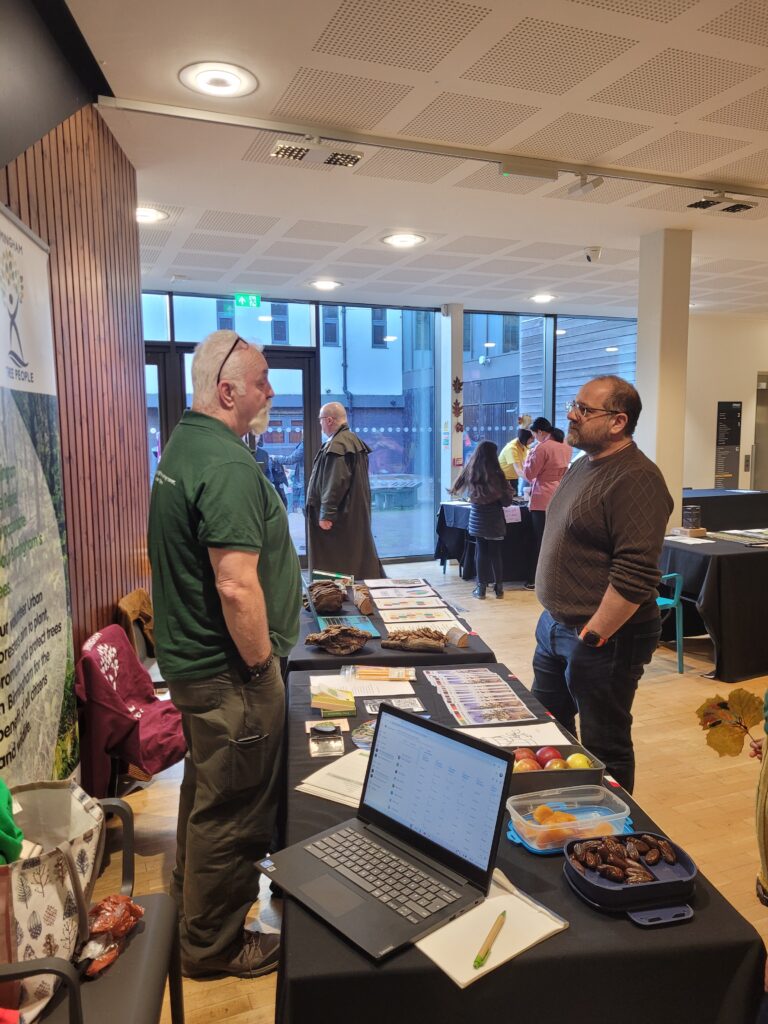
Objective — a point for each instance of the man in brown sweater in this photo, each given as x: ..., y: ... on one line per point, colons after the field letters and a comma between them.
x: 597, y: 576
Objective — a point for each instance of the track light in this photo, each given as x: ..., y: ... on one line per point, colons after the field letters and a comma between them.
x: 584, y: 185
x: 720, y: 199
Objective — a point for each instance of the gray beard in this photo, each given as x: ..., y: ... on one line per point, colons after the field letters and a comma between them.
x: 260, y: 423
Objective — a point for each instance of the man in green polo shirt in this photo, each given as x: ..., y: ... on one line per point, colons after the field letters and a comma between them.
x: 227, y: 593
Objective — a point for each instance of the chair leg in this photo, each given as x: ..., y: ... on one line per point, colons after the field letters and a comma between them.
x: 175, y: 986
x: 679, y: 635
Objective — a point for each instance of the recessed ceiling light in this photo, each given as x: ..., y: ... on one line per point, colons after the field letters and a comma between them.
x: 390, y: 337
x: 612, y: 348
x: 542, y: 297
x: 149, y: 215
x: 489, y: 344
x: 325, y: 285
x: 560, y: 330
x: 216, y: 79
x: 265, y: 319
x: 404, y: 240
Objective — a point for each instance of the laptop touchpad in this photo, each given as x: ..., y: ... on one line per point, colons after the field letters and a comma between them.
x: 331, y: 895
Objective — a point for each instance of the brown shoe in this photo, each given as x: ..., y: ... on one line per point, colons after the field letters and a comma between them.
x: 258, y: 955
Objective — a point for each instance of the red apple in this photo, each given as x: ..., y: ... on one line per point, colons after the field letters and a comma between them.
x: 527, y: 766
x: 524, y: 754
x: 544, y: 754
x: 556, y: 764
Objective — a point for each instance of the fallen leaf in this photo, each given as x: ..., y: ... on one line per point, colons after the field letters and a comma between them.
x: 746, y: 706
x: 727, y: 740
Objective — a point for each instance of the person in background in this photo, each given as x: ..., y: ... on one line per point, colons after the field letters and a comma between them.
x: 296, y: 461
x: 544, y: 468
x: 488, y: 491
x: 226, y: 589
x: 512, y: 456
x: 558, y: 435
x: 271, y: 469
x: 598, y: 576
x: 339, y: 532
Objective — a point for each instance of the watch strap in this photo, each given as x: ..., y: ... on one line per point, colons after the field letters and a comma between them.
x: 591, y: 638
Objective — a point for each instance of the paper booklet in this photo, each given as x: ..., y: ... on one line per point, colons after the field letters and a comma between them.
x: 361, y: 687
x: 519, y: 735
x: 454, y: 946
x: 341, y: 781
x: 375, y: 584
x: 384, y: 603
x: 402, y: 592
x: 415, y: 615
x: 442, y: 626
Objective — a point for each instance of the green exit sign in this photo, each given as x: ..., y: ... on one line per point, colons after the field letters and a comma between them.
x: 244, y: 301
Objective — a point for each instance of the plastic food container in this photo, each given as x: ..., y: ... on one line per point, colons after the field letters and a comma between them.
x: 650, y: 904
x: 595, y: 810
x: 532, y: 782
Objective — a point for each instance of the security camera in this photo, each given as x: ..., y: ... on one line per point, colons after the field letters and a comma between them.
x: 593, y: 253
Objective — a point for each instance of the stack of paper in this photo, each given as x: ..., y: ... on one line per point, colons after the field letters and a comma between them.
x: 454, y: 946
x: 359, y: 687
x: 332, y: 702
x: 340, y: 781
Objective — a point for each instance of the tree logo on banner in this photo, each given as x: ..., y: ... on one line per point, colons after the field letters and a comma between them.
x: 12, y: 286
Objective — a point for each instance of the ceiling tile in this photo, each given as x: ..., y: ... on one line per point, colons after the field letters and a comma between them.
x: 261, y: 279
x: 435, y: 261
x: 403, y: 165
x: 747, y: 22
x: 219, y: 243
x: 195, y: 274
x: 323, y: 231
x: 748, y: 112
x: 545, y: 56
x: 299, y: 251
x: 346, y: 101
x: 678, y: 152
x: 546, y: 251
x: 580, y: 137
x: 153, y: 238
x: 399, y: 33
x: 377, y: 257
x: 236, y: 223
x: 611, y: 191
x: 489, y: 179
x: 263, y: 143
x: 406, y: 274
x: 205, y: 259
x: 148, y: 257
x: 284, y: 266
x: 676, y: 200
x: 751, y: 170
x: 507, y: 266
x: 467, y: 120
x: 346, y: 270
x: 727, y: 266
x: 674, y: 81
x: 477, y: 245
x: 618, y: 276
x: 652, y: 10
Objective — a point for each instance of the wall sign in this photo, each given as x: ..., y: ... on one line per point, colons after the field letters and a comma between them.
x: 727, y: 445
x: 38, y: 722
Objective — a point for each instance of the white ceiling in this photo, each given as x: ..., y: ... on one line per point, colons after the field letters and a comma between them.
x: 662, y: 86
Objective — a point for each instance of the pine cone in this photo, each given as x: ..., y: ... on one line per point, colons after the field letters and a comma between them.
x: 339, y: 639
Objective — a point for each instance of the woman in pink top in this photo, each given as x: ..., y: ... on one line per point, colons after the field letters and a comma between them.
x: 544, y: 468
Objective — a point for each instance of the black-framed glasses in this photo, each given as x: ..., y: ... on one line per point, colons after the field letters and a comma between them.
x: 226, y: 357
x: 589, y: 410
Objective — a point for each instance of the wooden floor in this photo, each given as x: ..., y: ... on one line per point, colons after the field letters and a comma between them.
x: 706, y: 803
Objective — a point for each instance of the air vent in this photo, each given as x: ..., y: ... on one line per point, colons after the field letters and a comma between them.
x: 314, y: 152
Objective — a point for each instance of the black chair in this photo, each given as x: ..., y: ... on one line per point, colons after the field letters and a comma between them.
x: 131, y: 990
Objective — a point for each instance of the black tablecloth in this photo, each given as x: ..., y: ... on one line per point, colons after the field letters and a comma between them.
x: 727, y: 582
x: 453, y: 541
x: 313, y: 659
x: 602, y: 968
x: 730, y: 510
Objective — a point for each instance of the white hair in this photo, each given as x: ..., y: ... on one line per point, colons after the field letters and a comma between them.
x: 211, y: 360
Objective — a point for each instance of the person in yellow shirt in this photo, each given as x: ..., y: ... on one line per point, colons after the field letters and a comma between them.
x: 512, y: 455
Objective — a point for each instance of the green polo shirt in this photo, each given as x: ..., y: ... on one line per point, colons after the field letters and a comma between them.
x: 208, y: 492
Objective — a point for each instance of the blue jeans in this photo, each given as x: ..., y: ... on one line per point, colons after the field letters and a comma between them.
x: 597, y: 683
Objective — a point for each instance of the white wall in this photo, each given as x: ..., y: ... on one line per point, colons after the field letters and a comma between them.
x: 725, y: 355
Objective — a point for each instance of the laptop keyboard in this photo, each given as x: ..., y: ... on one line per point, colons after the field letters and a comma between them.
x: 393, y: 881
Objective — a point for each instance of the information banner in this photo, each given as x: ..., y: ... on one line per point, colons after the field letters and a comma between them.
x: 727, y: 445
x: 38, y: 720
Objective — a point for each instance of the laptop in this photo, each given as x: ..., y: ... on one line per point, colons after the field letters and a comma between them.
x: 422, y: 847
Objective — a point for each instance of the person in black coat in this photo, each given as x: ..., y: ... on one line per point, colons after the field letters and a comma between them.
x: 488, y: 491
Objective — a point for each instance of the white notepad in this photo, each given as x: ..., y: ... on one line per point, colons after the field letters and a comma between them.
x: 454, y: 946
x: 341, y: 781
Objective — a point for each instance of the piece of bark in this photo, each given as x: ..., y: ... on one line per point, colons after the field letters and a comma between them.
x: 424, y: 639
x: 327, y: 597
x: 458, y: 637
x: 339, y: 639
x: 361, y: 596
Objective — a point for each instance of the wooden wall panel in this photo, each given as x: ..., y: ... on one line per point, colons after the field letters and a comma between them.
x: 76, y: 189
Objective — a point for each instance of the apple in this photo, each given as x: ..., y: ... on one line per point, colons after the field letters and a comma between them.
x: 524, y: 754
x: 526, y: 766
x: 578, y: 760
x: 556, y: 764
x: 544, y: 754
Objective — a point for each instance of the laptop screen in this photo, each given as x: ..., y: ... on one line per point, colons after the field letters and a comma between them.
x: 438, y: 785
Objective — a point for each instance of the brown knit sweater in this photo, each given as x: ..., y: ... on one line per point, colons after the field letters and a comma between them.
x: 605, y: 524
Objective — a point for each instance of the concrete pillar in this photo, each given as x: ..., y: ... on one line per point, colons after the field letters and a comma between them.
x: 662, y: 353
x: 450, y: 365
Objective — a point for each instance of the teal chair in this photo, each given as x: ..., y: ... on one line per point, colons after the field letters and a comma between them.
x: 675, y: 602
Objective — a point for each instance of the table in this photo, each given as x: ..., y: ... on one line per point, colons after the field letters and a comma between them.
x: 707, y: 971
x: 725, y: 581
x: 312, y: 659
x: 453, y: 541
x: 730, y: 510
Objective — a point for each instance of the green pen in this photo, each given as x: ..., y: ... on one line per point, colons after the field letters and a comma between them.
x: 484, y: 952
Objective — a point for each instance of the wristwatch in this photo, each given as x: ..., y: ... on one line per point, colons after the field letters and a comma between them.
x: 257, y: 670
x: 592, y: 639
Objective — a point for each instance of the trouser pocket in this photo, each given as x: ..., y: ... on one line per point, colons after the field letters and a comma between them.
x: 247, y: 762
